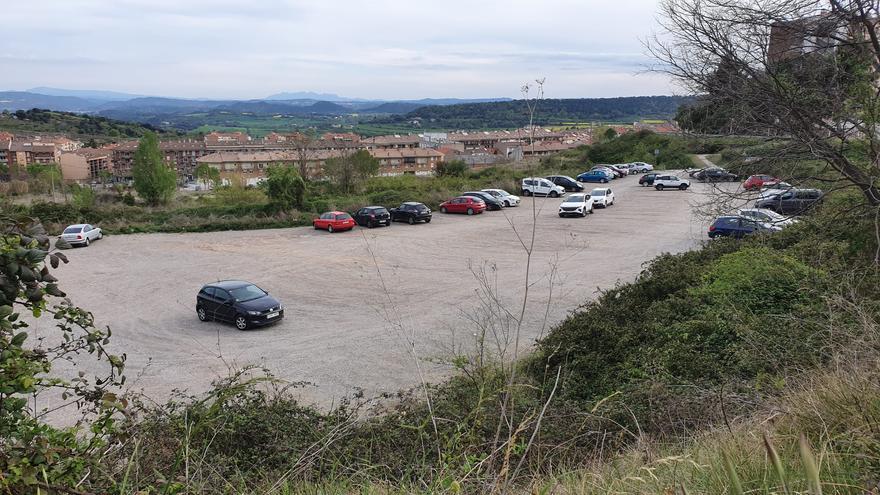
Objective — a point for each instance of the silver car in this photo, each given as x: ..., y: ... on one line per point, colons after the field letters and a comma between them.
x: 81, y: 234
x: 504, y: 196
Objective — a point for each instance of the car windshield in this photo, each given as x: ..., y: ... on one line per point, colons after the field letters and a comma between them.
x: 576, y: 198
x: 598, y: 192
x: 72, y: 230
x: 247, y: 293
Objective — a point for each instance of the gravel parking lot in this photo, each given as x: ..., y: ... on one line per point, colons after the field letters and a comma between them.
x: 342, y: 329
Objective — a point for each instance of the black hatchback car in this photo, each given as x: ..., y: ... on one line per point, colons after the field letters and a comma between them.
x: 567, y: 183
x: 411, y: 212
x: 241, y: 303
x: 492, y: 203
x: 371, y: 216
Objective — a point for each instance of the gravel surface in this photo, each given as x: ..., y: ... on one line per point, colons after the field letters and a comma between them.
x: 356, y: 300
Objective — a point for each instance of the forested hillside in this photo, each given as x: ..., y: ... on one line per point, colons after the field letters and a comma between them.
x: 73, y: 124
x: 510, y: 114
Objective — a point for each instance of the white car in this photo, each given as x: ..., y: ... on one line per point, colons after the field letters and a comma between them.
x: 641, y: 167
x: 578, y: 204
x: 504, y: 196
x: 662, y: 182
x: 602, y: 197
x: 81, y: 233
x: 769, y: 217
x: 537, y: 186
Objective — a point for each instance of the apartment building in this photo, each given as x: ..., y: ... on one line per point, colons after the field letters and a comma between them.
x: 31, y: 152
x: 182, y: 155
x: 85, y: 164
x: 5, y: 153
x: 407, y: 161
x: 250, y: 166
x: 392, y: 142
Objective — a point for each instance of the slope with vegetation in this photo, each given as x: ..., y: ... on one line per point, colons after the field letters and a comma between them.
x: 513, y: 114
x: 74, y: 124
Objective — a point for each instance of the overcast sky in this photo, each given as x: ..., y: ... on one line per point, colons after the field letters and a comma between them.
x: 359, y: 48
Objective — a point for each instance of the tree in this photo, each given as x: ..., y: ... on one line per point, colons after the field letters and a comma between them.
x: 49, y: 173
x: 208, y: 175
x: 804, y: 69
x: 154, y: 180
x: 285, y: 187
x: 304, y: 144
x: 452, y: 168
x: 33, y: 454
x: 349, y: 171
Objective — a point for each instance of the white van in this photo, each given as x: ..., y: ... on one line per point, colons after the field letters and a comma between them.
x: 537, y: 186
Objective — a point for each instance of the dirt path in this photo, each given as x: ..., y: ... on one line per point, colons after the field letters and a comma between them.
x: 346, y: 327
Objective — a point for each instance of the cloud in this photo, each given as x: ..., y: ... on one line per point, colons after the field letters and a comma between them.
x: 377, y: 49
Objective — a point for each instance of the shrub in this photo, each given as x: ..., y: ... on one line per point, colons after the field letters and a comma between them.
x: 83, y: 197
x: 453, y: 168
x: 18, y: 187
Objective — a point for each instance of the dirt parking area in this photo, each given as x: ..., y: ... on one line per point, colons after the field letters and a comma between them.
x: 355, y: 300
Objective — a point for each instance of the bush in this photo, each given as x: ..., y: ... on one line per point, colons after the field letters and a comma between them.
x: 18, y: 187
x: 454, y: 168
x: 83, y: 197
x: 392, y: 198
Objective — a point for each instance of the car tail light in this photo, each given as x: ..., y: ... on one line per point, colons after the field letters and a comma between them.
x: 711, y: 228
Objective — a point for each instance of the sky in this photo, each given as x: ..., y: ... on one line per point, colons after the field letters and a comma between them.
x: 377, y: 49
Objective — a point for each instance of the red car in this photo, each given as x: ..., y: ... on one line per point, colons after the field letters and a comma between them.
x: 463, y: 204
x: 334, y: 221
x: 758, y: 181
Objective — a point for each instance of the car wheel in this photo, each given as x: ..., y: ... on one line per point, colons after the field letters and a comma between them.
x: 87, y: 242
x: 241, y: 322
x: 330, y: 229
x: 527, y: 193
x: 604, y: 181
x: 427, y: 220
x: 561, y: 215
x: 507, y: 204
x: 443, y: 210
x: 315, y: 226
x: 203, y: 315
x: 100, y: 235
x: 411, y: 220
x: 371, y: 224
x: 470, y: 211
x: 584, y: 213
x: 659, y: 187
x: 554, y: 194
x: 683, y: 187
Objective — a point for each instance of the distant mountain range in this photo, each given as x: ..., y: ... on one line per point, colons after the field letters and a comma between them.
x: 128, y: 106
x: 446, y: 113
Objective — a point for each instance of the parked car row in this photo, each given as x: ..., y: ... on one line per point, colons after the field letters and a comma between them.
x: 581, y: 204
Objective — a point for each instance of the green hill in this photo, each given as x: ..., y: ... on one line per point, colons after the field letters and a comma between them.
x: 74, y: 124
x: 511, y: 114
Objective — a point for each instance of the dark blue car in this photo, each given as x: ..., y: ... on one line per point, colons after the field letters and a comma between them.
x: 735, y: 226
x: 593, y: 176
